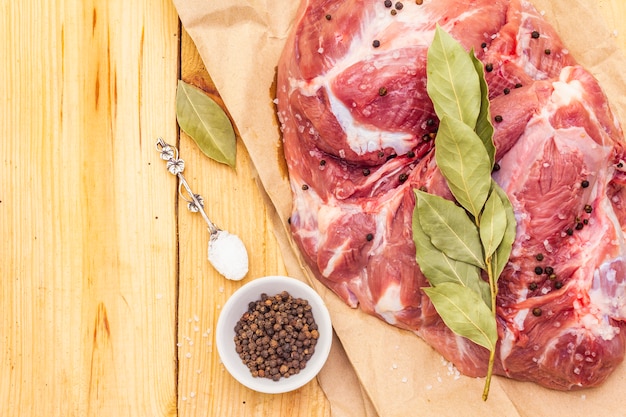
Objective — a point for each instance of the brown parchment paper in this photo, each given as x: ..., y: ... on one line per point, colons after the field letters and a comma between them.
x: 378, y: 370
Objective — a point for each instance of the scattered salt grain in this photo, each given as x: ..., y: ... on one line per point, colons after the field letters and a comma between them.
x: 394, y: 366
x: 159, y: 296
x: 188, y: 355
x: 221, y: 289
x: 405, y: 380
x: 320, y: 51
x: 583, y: 397
x: 192, y: 394
x: 429, y: 387
x: 196, y: 328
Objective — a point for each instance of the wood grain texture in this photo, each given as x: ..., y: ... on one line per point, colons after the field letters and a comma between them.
x: 108, y: 302
x: 88, y: 290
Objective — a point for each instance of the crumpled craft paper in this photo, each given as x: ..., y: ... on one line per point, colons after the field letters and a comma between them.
x: 378, y: 370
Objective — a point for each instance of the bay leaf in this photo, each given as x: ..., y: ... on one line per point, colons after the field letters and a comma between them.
x: 484, y: 128
x: 439, y: 268
x: 452, y: 83
x: 464, y: 312
x: 464, y: 162
x: 493, y: 224
x: 449, y: 228
x: 200, y: 117
x: 501, y: 256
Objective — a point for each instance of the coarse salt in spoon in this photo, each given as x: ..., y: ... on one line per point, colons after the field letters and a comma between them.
x: 227, y: 253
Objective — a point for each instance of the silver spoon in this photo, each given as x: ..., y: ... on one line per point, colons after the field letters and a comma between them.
x: 227, y: 252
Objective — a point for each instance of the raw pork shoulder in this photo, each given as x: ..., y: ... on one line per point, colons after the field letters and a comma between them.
x: 358, y: 138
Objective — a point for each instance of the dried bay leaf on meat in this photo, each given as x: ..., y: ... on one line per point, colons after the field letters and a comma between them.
x: 464, y: 313
x: 464, y: 162
x: 449, y: 228
x: 453, y: 84
x: 484, y: 129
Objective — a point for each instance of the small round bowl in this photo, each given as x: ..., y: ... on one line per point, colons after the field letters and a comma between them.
x: 237, y: 305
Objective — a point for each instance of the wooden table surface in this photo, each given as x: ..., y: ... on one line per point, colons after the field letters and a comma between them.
x: 108, y: 304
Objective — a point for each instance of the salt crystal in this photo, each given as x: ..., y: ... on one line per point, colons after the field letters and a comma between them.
x: 192, y: 394
x: 429, y: 387
x: 188, y: 355
x: 394, y: 366
x: 221, y: 289
x: 405, y: 380
x: 159, y: 296
x: 320, y: 50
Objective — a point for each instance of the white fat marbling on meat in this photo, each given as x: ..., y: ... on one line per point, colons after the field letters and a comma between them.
x: 389, y: 303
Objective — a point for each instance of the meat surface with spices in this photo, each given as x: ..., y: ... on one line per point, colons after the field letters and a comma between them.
x: 358, y: 131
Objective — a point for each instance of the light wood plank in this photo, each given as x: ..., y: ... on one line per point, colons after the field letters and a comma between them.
x: 234, y: 202
x: 88, y: 260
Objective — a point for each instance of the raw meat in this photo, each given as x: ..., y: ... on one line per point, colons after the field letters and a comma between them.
x: 358, y: 131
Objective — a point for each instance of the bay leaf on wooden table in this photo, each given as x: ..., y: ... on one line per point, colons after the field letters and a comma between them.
x: 200, y: 117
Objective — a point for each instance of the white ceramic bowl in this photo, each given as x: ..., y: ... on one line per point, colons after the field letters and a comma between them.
x: 237, y: 305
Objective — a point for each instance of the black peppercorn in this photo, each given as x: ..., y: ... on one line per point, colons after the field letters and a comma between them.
x: 393, y: 12
x: 399, y: 5
x: 532, y: 286
x: 376, y: 43
x: 430, y: 122
x: 535, y: 34
x: 328, y: 17
x: 558, y: 285
x: 489, y: 67
x: 322, y: 162
x: 305, y: 187
x: 498, y: 118
x: 402, y: 178
x: 547, y: 52
x: 536, y: 312
x: 538, y: 270
x: 369, y: 237
x: 277, y: 336
x: 483, y: 45
x: 519, y: 85
x: 588, y: 209
x: 539, y: 257
x: 507, y: 91
x: 584, y: 184
x: 549, y: 270
x: 579, y: 226
x: 388, y: 3
x: 366, y: 172
x: 569, y: 231
x: 382, y: 91
x: 496, y: 167
x: 410, y: 154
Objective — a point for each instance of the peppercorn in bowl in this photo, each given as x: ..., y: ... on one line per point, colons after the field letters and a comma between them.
x: 274, y: 334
